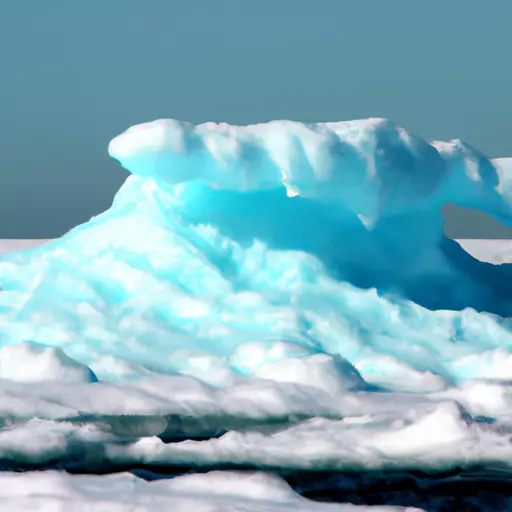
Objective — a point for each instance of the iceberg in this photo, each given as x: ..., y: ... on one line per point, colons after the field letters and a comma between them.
x: 276, y: 298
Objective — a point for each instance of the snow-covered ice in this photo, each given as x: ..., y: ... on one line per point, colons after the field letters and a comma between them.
x: 212, y: 492
x: 277, y: 297
x: 31, y: 362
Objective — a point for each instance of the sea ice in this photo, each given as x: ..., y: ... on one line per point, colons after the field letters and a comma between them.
x: 212, y: 492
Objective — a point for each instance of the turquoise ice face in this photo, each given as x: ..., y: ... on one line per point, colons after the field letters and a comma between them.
x: 227, y: 242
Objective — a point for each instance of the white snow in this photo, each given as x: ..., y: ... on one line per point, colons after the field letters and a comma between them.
x: 211, y: 492
x: 29, y: 362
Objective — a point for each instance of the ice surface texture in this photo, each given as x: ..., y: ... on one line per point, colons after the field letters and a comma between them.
x: 271, y: 296
x: 213, y: 492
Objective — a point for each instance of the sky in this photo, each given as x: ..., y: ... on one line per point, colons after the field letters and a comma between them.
x: 73, y: 74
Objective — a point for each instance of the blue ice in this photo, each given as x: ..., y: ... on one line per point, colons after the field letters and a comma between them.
x: 229, y: 249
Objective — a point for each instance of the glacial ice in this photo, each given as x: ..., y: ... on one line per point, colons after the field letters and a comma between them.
x: 277, y: 296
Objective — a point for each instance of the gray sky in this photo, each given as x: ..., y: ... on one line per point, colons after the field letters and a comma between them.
x: 76, y: 73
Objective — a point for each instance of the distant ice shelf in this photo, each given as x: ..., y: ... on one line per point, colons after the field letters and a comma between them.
x: 18, y: 244
x: 492, y: 251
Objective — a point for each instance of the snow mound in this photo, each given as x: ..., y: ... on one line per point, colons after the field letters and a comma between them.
x: 29, y: 362
x: 211, y: 492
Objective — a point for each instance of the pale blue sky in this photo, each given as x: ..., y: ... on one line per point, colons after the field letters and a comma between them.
x: 76, y: 73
